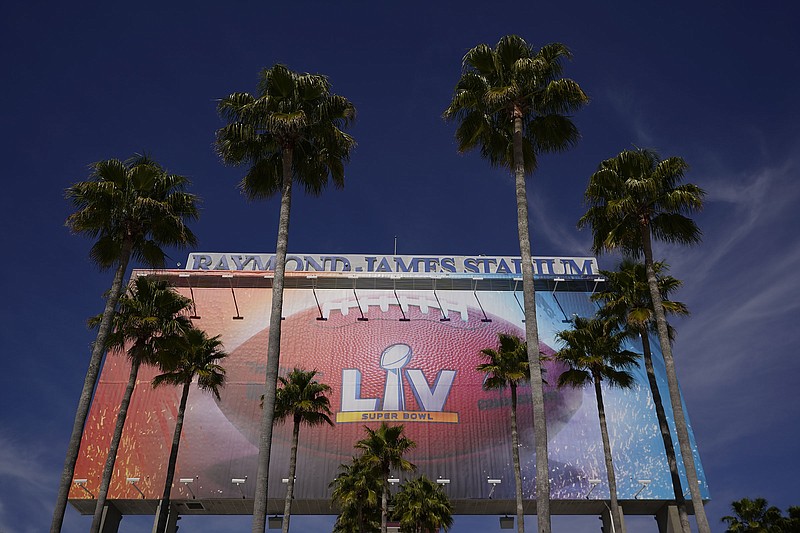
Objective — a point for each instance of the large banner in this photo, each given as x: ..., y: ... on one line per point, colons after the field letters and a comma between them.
x: 405, y: 357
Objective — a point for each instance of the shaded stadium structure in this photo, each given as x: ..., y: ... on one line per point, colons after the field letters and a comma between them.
x: 398, y: 339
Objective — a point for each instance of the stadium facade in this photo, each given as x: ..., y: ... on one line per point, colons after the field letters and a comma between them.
x: 398, y: 339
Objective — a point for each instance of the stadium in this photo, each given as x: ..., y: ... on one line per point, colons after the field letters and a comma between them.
x: 398, y: 339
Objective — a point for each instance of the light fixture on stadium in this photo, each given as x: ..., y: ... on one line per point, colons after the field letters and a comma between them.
x: 82, y: 484
x: 493, y: 483
x: 443, y: 481
x: 475, y: 294
x: 239, y: 481
x: 186, y: 481
x: 593, y: 483
x: 233, y: 294
x: 194, y: 315
x: 644, y: 483
x: 133, y: 481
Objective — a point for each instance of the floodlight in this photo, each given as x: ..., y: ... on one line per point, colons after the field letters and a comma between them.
x: 186, y: 481
x: 493, y: 483
x: 644, y: 483
x: 239, y: 481
x: 133, y: 481
x: 82, y: 484
x: 593, y: 483
x: 443, y: 481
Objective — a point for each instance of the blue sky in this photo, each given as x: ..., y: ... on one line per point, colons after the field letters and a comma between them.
x: 714, y: 83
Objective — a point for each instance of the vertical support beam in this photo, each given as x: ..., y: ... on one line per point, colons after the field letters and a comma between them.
x: 172, y: 520
x: 110, y: 519
x: 608, y: 526
x: 668, y: 519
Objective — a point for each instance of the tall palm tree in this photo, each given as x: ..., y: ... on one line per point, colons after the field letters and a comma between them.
x: 633, y: 198
x: 422, y: 506
x: 148, y: 319
x: 356, y: 491
x: 626, y: 300
x: 290, y: 131
x: 198, y: 356
x: 508, y: 367
x: 383, y: 449
x: 132, y: 208
x: 303, y: 399
x: 512, y: 104
x: 592, y: 351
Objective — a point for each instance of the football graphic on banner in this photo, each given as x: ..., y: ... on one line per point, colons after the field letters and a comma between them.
x: 409, y: 360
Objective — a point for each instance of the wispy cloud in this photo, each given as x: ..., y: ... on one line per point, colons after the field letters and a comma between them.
x: 629, y: 105
x: 548, y: 224
x: 743, y: 288
x: 24, y: 485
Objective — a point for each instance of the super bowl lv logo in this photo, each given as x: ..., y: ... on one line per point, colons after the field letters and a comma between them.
x: 430, y: 399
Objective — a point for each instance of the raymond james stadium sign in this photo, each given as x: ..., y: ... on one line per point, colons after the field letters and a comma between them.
x: 426, y: 264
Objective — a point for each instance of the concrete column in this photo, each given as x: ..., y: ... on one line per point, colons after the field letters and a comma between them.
x: 109, y: 522
x: 172, y: 519
x: 668, y: 519
x: 608, y: 526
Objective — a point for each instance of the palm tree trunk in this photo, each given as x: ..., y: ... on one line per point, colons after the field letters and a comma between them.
x: 532, y: 335
x: 384, y: 501
x: 173, y: 460
x: 273, y: 350
x: 672, y: 382
x: 515, y: 458
x: 612, y: 478
x: 108, y: 470
x: 287, y: 506
x: 666, y: 435
x: 89, y: 382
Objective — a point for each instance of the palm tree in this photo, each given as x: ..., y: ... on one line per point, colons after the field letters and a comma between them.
x: 355, y: 491
x: 291, y: 131
x: 198, y: 356
x: 753, y: 516
x: 592, y: 350
x: 132, y: 209
x: 383, y: 449
x: 626, y: 300
x: 512, y: 104
x: 148, y: 319
x: 633, y: 198
x: 304, y: 400
x: 422, y: 506
x: 507, y: 367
